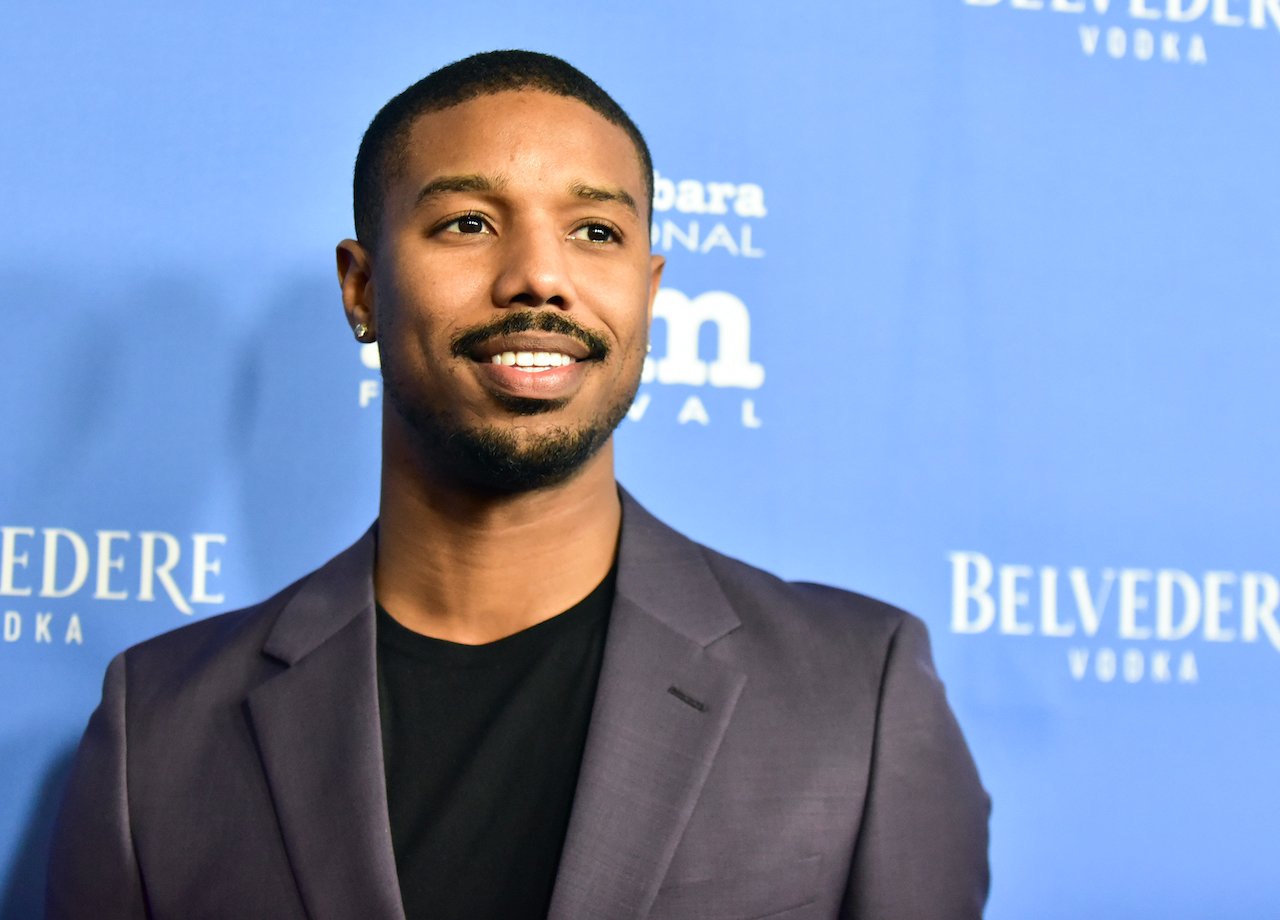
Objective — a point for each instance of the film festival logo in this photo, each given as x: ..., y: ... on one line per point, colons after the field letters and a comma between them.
x: 1171, y: 31
x: 682, y: 374
x: 707, y: 218
x: 46, y: 572
x: 1116, y: 626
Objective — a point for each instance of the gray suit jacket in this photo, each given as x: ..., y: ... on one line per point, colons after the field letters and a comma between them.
x: 757, y: 749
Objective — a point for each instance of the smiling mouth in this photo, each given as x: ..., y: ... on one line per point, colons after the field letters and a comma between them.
x: 534, y: 342
x: 532, y: 362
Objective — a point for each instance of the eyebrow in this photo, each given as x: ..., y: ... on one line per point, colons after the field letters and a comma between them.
x: 469, y: 183
x: 597, y: 193
x: 478, y: 183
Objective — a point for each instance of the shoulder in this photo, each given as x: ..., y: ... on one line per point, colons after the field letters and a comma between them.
x: 759, y: 620
x: 821, y: 614
x: 221, y: 650
x: 207, y: 635
x: 754, y: 587
x: 239, y: 648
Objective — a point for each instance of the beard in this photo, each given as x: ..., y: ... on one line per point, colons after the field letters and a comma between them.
x: 505, y: 459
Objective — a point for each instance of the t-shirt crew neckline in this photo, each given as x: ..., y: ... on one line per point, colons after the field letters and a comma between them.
x: 530, y: 640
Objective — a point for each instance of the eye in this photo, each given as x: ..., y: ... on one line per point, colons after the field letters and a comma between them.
x: 466, y: 224
x: 596, y: 233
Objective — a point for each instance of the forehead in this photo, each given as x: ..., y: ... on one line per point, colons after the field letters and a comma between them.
x: 529, y: 136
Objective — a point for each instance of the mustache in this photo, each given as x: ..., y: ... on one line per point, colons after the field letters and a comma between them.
x: 467, y: 341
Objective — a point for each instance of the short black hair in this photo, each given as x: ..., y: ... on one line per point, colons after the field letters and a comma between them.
x: 384, y: 146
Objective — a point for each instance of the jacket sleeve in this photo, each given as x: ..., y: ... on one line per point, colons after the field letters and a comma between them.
x: 93, y: 871
x: 921, y: 852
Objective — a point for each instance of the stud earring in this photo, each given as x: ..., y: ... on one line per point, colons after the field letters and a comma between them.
x: 648, y: 347
x: 361, y: 330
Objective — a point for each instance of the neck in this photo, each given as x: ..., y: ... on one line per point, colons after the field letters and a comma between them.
x: 473, y: 568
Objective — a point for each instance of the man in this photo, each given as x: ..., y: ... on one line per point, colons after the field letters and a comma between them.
x: 519, y: 695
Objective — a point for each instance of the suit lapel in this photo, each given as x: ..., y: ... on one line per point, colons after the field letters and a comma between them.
x: 661, y: 709
x: 317, y: 728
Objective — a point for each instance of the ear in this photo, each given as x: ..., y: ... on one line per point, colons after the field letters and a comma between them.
x: 656, y: 264
x: 355, y: 276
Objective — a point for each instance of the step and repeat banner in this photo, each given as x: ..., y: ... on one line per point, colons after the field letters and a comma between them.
x: 972, y: 305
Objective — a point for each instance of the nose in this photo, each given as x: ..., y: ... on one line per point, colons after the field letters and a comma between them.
x: 534, y: 270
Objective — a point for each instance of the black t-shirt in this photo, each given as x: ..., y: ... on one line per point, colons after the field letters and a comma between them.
x: 482, y: 746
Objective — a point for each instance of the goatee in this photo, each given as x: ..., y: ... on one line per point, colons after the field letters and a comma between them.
x: 506, y: 459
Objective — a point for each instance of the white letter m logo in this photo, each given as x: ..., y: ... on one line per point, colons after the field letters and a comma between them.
x: 684, y: 320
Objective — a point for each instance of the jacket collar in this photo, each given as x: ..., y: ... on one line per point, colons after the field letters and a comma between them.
x: 659, y: 570
x: 327, y: 600
x: 662, y: 706
x: 316, y: 724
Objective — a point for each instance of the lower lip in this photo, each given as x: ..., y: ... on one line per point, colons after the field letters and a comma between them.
x: 552, y: 383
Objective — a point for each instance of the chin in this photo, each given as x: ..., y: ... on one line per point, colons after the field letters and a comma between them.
x: 510, y: 461
x: 531, y: 449
x: 522, y: 455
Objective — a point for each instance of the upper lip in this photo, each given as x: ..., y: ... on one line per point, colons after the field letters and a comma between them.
x: 531, y: 341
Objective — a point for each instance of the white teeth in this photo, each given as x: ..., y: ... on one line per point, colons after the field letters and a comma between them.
x: 532, y: 359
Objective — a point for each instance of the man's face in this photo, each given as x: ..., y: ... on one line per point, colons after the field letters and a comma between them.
x: 513, y: 285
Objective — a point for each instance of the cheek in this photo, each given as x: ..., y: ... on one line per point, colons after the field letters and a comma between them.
x: 620, y: 298
x: 430, y: 301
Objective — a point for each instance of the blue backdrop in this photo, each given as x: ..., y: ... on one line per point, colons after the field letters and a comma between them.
x: 971, y: 306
